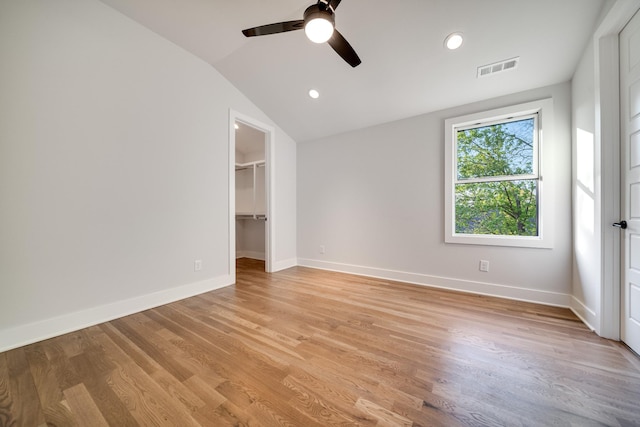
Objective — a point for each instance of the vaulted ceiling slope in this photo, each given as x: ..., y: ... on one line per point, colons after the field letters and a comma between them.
x: 405, y: 70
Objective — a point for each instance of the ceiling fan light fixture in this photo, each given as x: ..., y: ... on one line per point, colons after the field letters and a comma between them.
x: 318, y: 30
x: 318, y: 24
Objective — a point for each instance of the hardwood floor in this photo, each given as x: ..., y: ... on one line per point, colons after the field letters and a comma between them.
x: 305, y: 347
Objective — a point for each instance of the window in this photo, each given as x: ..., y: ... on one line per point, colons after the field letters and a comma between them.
x: 494, y: 188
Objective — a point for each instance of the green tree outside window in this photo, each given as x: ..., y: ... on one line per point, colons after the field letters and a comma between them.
x: 496, y: 189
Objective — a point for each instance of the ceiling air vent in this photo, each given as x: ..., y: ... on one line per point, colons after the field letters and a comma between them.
x: 498, y: 67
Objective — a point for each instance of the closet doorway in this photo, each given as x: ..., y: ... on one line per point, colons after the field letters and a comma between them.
x: 251, y: 145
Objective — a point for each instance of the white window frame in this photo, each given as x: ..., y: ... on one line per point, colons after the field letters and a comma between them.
x: 544, y: 111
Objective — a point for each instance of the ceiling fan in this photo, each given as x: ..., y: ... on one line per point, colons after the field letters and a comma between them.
x: 319, y: 25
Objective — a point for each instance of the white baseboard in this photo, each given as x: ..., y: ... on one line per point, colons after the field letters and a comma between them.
x: 284, y: 264
x: 44, y: 329
x: 277, y: 266
x: 585, y: 314
x: 482, y: 288
x: 251, y: 254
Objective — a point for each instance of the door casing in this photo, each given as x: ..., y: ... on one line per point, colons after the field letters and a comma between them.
x: 270, y: 237
x: 607, y: 135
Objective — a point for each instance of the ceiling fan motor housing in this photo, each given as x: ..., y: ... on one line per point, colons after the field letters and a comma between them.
x: 316, y: 11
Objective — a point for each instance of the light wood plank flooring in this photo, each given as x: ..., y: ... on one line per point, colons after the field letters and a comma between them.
x: 305, y: 347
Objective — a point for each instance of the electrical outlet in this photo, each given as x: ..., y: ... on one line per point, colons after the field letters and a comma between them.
x: 197, y: 265
x: 484, y: 265
x: 321, y: 249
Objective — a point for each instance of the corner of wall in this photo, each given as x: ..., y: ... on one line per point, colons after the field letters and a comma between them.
x: 584, y: 313
x: 284, y: 264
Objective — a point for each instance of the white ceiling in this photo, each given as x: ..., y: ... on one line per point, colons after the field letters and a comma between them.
x: 405, y: 69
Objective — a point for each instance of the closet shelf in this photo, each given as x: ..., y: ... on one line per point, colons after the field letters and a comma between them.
x: 250, y: 165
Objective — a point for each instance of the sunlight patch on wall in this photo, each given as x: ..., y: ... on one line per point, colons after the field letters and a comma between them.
x: 585, y: 191
x: 585, y: 206
x: 585, y: 162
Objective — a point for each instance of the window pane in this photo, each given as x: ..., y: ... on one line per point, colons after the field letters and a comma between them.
x: 497, y: 208
x: 501, y: 149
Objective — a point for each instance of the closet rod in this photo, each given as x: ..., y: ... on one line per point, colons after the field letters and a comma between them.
x: 256, y: 217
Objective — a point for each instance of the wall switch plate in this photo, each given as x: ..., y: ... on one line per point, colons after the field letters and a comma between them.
x: 321, y: 249
x: 197, y: 265
x: 484, y: 265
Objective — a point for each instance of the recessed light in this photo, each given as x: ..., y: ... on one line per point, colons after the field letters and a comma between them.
x: 314, y: 94
x: 235, y: 125
x: 453, y: 41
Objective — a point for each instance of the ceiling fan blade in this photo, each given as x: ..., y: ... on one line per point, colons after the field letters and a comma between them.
x: 280, y: 27
x: 334, y: 4
x: 344, y: 49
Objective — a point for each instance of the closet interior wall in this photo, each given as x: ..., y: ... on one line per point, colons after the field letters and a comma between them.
x: 250, y: 193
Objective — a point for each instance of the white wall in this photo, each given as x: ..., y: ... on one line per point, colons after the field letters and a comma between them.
x: 114, y: 171
x: 285, y: 167
x: 250, y: 239
x: 595, y: 105
x: 587, y: 269
x: 374, y: 199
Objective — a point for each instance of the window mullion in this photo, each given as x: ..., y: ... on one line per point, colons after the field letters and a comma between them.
x: 497, y: 179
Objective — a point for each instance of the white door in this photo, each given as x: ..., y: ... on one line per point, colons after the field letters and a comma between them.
x: 630, y: 136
